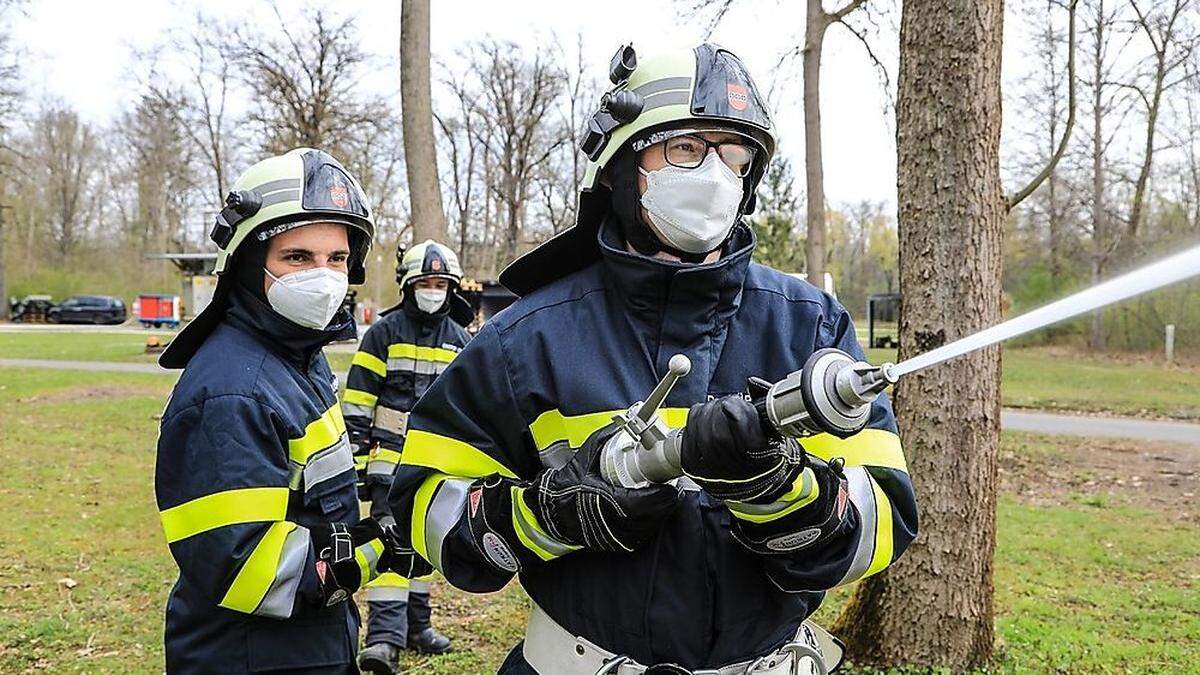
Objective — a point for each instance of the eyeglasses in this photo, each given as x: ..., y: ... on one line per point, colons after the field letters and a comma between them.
x: 688, y: 152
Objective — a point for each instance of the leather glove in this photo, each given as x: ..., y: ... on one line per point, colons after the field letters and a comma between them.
x: 727, y: 452
x: 813, y: 510
x: 514, y: 523
x: 401, y: 558
x: 342, y: 553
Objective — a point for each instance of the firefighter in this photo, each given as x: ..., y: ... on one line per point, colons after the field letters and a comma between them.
x: 255, y: 477
x: 718, y: 569
x: 397, y: 361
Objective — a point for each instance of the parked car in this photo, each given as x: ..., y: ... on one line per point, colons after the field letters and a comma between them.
x: 89, y: 309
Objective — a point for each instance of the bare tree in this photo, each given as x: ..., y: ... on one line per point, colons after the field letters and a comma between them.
x: 951, y: 211
x: 199, y: 99
x: 516, y: 100
x: 160, y: 168
x: 420, y: 151
x: 63, y: 150
x: 1172, y: 45
x: 464, y: 147
x: 305, y: 85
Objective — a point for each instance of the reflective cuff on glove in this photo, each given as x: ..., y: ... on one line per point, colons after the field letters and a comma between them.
x: 815, y: 509
x: 804, y: 491
x: 531, y: 533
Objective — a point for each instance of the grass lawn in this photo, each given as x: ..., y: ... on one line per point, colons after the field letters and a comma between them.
x: 78, y: 346
x: 1093, y: 574
x: 1073, y: 381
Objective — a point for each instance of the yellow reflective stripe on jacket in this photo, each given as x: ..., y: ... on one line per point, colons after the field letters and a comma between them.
x: 370, y: 362
x: 381, y: 454
x: 356, y: 397
x: 882, y: 556
x: 404, y: 350
x: 258, y: 573
x: 553, y: 427
x: 231, y: 507
x: 869, y: 447
x: 450, y: 455
x: 421, y: 511
x: 365, y: 569
x: 318, y: 435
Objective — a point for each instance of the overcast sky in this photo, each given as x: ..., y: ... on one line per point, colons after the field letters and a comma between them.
x: 81, y: 52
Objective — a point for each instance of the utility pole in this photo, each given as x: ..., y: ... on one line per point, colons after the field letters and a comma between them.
x: 4, y: 307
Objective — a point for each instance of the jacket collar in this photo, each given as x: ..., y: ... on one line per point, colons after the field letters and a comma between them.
x: 651, y: 287
x: 296, y: 344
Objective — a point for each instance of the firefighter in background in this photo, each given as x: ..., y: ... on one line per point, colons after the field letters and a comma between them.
x: 717, y: 571
x: 397, y: 361
x: 254, y: 476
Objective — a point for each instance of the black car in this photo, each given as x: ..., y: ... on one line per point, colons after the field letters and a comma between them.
x: 89, y: 309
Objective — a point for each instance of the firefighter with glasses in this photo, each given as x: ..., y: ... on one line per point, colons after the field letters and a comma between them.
x: 255, y: 477
x: 399, y: 358
x: 717, y: 570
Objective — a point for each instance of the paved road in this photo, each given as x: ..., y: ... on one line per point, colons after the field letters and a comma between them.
x: 1100, y: 427
x: 95, y: 366
x: 1013, y: 420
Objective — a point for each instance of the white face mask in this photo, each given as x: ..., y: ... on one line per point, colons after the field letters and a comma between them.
x: 693, y: 209
x: 430, y: 300
x: 310, y: 297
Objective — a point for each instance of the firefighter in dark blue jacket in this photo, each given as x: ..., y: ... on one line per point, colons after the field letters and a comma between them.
x: 719, y: 569
x: 254, y: 479
x: 398, y: 359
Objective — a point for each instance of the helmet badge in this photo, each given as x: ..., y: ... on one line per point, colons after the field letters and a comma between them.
x: 339, y: 195
x: 739, y: 98
x: 436, y: 264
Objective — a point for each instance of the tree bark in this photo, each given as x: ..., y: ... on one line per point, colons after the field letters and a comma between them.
x: 934, y: 606
x: 3, y: 286
x: 814, y: 172
x: 420, y: 153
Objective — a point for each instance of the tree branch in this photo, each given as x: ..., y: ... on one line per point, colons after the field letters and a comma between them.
x: 1012, y: 200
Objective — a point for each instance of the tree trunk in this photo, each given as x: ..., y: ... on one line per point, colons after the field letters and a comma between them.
x: 3, y: 286
x: 420, y: 153
x: 814, y: 170
x: 1100, y: 229
x: 934, y: 606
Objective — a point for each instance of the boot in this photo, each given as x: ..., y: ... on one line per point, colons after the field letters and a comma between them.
x: 429, y: 641
x: 381, y: 658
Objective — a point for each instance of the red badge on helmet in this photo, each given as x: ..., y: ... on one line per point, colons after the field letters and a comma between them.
x: 436, y: 264
x: 739, y: 98
x: 339, y: 195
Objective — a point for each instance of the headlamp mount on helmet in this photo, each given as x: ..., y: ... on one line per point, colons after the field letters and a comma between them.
x: 239, y: 205
x: 618, y: 106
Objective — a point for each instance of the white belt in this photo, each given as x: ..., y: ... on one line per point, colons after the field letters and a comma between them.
x: 552, y: 650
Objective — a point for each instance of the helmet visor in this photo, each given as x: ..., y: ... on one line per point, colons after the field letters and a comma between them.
x: 724, y: 89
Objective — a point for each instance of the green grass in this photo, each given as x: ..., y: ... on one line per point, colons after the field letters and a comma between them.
x: 78, y: 346
x: 1086, y: 584
x: 1056, y: 379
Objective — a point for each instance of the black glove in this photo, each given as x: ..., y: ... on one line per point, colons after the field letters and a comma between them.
x: 401, y: 557
x: 339, y: 548
x: 825, y: 516
x: 563, y: 510
x: 727, y: 452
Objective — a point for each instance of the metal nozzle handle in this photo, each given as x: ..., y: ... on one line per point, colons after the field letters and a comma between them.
x: 679, y: 366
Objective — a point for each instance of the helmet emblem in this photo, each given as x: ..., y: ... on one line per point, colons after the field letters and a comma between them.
x: 739, y: 98
x: 436, y: 264
x: 339, y: 195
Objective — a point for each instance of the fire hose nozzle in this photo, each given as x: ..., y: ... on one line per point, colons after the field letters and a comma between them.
x: 644, y: 450
x: 831, y: 394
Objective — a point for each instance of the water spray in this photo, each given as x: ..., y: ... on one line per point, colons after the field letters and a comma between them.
x: 833, y: 392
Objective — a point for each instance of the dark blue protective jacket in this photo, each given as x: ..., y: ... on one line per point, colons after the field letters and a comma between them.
x: 545, y: 373
x: 252, y: 452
